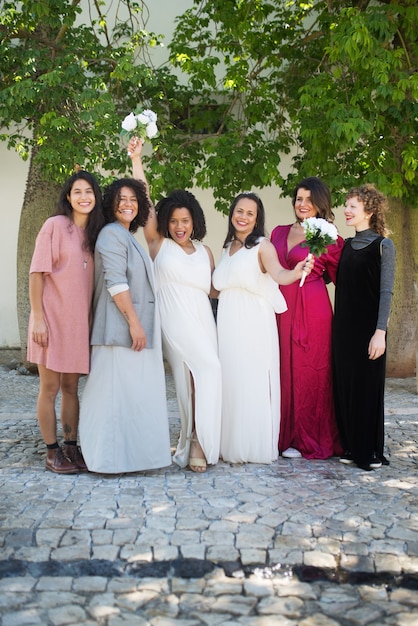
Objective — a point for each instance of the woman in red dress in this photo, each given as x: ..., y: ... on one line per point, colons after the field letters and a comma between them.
x: 308, y: 427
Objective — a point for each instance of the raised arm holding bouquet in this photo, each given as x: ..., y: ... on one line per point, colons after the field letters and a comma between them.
x: 183, y: 268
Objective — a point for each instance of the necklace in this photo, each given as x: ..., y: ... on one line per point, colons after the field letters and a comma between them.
x: 81, y: 239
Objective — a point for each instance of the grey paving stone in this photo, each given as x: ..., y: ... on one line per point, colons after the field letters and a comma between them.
x: 296, y: 542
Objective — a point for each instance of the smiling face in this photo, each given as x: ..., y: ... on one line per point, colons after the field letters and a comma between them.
x: 127, y: 207
x: 304, y: 206
x: 82, y: 199
x: 355, y: 215
x: 180, y: 226
x: 244, y: 217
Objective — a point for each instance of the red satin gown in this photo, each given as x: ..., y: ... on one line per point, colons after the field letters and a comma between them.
x: 307, y: 412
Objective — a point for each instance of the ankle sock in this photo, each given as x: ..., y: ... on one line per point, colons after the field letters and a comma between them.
x: 52, y: 446
x: 70, y: 443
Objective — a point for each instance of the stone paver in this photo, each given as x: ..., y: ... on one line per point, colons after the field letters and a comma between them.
x: 307, y: 543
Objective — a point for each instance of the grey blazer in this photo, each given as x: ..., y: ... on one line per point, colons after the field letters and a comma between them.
x: 120, y: 259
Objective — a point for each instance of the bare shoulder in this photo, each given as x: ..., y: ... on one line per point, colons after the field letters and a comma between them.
x: 208, y: 250
x: 266, y: 247
x: 210, y: 256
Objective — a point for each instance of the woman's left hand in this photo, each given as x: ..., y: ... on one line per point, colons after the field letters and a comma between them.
x: 138, y: 336
x: 377, y: 345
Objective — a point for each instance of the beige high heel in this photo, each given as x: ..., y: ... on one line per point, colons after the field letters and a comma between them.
x: 196, y: 464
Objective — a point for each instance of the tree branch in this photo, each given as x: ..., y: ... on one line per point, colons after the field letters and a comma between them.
x: 64, y: 27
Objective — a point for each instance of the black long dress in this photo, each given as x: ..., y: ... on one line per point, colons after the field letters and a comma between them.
x: 359, y: 382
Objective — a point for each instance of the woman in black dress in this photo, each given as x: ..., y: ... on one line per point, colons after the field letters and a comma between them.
x: 362, y: 305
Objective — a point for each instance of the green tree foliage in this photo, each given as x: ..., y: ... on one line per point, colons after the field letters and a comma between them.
x: 370, y: 82
x: 334, y: 81
x: 69, y: 75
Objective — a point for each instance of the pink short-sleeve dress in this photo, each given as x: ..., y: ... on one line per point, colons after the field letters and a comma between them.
x: 67, y: 295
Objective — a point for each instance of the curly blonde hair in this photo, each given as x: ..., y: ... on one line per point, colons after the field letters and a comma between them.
x: 375, y: 203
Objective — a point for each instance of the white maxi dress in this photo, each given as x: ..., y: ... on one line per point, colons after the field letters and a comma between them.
x: 190, y: 344
x: 249, y: 355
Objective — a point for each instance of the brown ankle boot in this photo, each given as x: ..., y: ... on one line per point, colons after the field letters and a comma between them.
x: 57, y: 462
x: 76, y: 456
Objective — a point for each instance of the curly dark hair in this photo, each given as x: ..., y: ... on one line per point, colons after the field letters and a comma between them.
x: 375, y: 203
x: 95, y: 219
x: 180, y: 199
x: 111, y: 200
x: 320, y: 196
x: 259, y: 229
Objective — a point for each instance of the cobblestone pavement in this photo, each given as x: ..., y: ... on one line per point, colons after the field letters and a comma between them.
x: 307, y: 543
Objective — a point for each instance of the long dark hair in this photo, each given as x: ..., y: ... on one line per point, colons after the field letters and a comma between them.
x: 320, y: 196
x: 111, y: 200
x: 258, y: 230
x: 181, y: 199
x: 95, y: 219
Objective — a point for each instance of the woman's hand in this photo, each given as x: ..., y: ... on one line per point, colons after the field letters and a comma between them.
x: 377, y: 345
x: 306, y: 265
x: 124, y: 303
x: 304, y: 268
x: 40, y: 332
x: 139, y: 338
x: 135, y: 146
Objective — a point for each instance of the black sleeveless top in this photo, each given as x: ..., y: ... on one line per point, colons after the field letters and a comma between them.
x: 358, y: 289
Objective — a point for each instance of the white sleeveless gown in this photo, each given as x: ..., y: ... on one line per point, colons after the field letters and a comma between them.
x: 249, y: 355
x: 190, y: 344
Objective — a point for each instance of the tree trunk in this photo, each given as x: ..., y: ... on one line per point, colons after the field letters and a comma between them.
x: 38, y: 204
x: 402, y: 332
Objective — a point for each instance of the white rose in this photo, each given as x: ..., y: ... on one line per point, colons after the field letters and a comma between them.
x: 152, y: 117
x: 309, y: 224
x: 332, y: 231
x: 129, y: 123
x: 142, y: 119
x: 151, y: 130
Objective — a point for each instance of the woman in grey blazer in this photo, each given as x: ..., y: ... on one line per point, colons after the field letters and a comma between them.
x: 123, y: 416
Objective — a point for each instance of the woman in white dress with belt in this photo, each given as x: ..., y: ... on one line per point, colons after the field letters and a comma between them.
x: 247, y: 277
x: 183, y: 269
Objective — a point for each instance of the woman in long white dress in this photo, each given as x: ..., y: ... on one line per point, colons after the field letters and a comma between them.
x: 183, y: 269
x: 123, y: 416
x: 247, y: 277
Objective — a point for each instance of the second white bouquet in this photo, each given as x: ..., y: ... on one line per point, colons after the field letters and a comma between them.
x: 318, y: 234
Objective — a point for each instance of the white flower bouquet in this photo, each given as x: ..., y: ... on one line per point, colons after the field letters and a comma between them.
x: 142, y: 124
x: 318, y: 234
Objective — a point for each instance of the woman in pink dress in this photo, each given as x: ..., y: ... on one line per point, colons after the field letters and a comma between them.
x: 308, y: 427
x: 60, y: 291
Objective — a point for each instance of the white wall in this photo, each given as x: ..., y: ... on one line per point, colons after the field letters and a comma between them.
x: 13, y: 174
